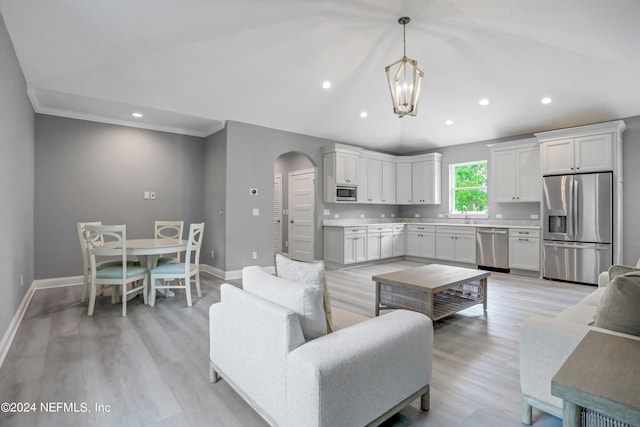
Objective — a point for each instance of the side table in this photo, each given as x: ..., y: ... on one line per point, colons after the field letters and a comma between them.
x: 600, y: 382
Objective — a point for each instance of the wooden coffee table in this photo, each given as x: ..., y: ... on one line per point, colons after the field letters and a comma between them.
x: 435, y: 290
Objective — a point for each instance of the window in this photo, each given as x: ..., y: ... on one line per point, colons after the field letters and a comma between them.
x: 468, y: 187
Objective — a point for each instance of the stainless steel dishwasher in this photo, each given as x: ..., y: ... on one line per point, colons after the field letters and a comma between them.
x: 492, y: 248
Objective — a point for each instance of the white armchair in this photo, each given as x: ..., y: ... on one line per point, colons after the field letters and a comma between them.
x: 359, y: 375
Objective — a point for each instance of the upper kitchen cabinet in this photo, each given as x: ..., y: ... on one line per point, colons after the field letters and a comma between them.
x: 426, y: 178
x: 342, y: 163
x: 376, y: 178
x: 340, y: 168
x: 403, y: 181
x: 592, y: 148
x: 515, y: 171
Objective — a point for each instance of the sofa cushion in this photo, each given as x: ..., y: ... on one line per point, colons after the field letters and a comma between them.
x: 618, y: 310
x: 617, y: 270
x: 581, y: 313
x: 304, y: 300
x: 593, y: 298
x: 310, y: 273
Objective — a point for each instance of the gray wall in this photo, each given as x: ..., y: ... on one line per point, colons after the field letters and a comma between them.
x: 87, y: 171
x: 17, y: 147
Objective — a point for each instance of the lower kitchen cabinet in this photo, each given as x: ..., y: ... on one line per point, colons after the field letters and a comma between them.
x: 456, y: 244
x: 524, y: 249
x: 345, y: 245
x: 421, y: 241
x: 379, y: 242
x: 398, y: 241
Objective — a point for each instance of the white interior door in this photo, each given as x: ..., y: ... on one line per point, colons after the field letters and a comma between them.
x: 277, y: 213
x: 301, y: 214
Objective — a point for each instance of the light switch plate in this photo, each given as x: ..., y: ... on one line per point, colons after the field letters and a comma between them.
x: 256, y: 212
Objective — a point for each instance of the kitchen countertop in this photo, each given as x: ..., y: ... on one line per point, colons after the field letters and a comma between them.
x: 531, y: 224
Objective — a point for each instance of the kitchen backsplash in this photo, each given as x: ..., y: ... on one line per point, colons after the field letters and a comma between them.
x: 366, y: 221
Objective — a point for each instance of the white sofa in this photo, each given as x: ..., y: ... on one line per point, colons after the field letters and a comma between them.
x: 546, y: 343
x: 356, y: 376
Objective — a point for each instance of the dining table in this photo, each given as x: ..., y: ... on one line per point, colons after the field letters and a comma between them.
x: 149, y: 250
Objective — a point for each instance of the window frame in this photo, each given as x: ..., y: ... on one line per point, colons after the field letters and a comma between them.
x: 453, y: 189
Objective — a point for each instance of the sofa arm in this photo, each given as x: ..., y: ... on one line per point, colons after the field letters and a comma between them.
x: 545, y: 344
x: 354, y: 375
x: 603, y: 279
x: 249, y: 341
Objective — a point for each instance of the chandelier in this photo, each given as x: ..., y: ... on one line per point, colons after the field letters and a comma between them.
x: 405, y: 79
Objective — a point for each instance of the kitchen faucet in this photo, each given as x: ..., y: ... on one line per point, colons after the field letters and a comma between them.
x: 466, y: 214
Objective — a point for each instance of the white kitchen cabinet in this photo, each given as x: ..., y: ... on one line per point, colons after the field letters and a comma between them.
x: 593, y: 153
x: 389, y: 182
x: 421, y: 241
x: 340, y: 167
x: 346, y: 168
x: 398, y: 240
x: 426, y: 179
x: 524, y: 249
x: 456, y: 244
x: 379, y: 242
x: 376, y: 179
x: 403, y: 182
x: 345, y: 245
x: 515, y: 171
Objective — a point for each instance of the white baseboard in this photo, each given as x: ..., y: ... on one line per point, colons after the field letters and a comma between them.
x: 10, y: 333
x: 57, y: 282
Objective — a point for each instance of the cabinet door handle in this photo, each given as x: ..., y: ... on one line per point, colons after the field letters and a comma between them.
x: 524, y: 240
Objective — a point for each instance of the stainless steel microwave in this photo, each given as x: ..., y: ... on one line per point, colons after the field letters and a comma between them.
x: 345, y: 193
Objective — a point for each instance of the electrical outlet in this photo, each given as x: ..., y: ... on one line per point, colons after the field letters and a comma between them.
x: 498, y: 216
x: 417, y: 215
x: 212, y: 254
x: 440, y: 215
x: 254, y: 255
x: 336, y: 216
x: 256, y: 212
x: 381, y: 215
x: 326, y: 212
x: 152, y: 195
x: 361, y: 216
x: 393, y: 215
x: 534, y: 216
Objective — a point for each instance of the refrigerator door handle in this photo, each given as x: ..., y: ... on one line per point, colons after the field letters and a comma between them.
x: 576, y: 213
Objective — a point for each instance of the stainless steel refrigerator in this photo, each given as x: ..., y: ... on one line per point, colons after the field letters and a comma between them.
x: 578, y: 226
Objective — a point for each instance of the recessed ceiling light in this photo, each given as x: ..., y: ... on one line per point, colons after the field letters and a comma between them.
x: 483, y: 101
x: 364, y: 114
x: 326, y: 85
x: 546, y: 100
x: 137, y: 115
x: 449, y: 122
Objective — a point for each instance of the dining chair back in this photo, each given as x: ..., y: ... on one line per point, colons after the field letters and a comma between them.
x: 86, y: 266
x: 181, y: 273
x: 169, y: 230
x: 108, y: 242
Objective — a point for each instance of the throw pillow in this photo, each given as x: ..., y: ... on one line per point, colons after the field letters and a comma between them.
x: 305, y: 300
x: 617, y: 270
x: 311, y: 273
x: 618, y: 310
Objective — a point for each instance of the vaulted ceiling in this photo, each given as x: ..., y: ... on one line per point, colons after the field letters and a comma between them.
x: 190, y: 65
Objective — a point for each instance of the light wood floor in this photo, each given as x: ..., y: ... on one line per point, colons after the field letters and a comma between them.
x: 151, y: 367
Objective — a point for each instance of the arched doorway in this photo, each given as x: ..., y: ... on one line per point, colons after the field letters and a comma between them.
x: 294, y: 206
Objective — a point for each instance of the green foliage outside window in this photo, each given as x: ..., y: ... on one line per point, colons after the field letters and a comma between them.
x: 470, y: 187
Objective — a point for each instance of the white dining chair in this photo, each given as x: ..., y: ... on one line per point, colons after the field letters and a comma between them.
x: 105, y: 241
x: 86, y: 265
x: 169, y: 230
x: 183, y: 272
